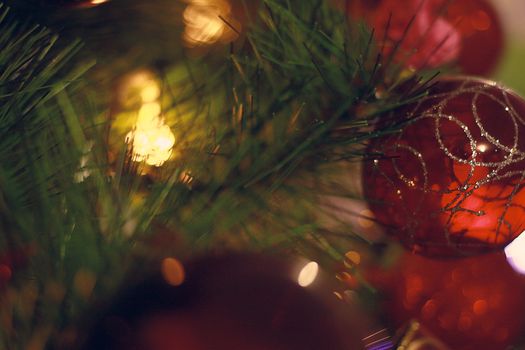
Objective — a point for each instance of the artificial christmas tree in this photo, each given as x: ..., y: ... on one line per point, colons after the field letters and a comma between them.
x: 134, y: 132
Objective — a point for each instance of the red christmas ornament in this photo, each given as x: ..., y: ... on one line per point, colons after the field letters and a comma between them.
x: 482, y: 35
x: 426, y: 38
x: 451, y: 182
x: 473, y: 303
x: 431, y: 33
x: 226, y: 302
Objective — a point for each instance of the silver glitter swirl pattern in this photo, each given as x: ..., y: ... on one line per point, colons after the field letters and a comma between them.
x: 511, y: 155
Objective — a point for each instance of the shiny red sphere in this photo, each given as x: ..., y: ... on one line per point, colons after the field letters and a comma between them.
x: 469, y: 304
x: 226, y: 302
x: 482, y: 35
x: 430, y: 33
x: 451, y: 182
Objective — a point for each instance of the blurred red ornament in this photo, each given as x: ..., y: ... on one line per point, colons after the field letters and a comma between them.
x: 473, y: 303
x: 229, y: 302
x: 426, y: 38
x: 431, y: 33
x: 482, y: 35
x: 451, y: 182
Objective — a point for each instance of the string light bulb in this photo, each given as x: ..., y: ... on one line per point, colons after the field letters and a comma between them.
x: 308, y: 274
x: 151, y: 140
x: 205, y: 22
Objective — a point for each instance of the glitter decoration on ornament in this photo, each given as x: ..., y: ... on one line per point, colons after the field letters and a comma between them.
x: 451, y: 182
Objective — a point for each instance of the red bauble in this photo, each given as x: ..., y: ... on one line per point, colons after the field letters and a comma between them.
x: 473, y: 303
x: 426, y: 38
x: 451, y: 182
x: 436, y: 32
x: 482, y: 35
x: 227, y: 302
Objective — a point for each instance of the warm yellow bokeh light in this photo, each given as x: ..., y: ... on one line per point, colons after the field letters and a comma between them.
x: 204, y: 22
x: 149, y: 115
x: 139, y: 86
x: 150, y: 92
x: 173, y: 271
x: 352, y: 258
x: 308, y: 274
x: 151, y: 140
x: 482, y: 147
x: 365, y: 219
x: 152, y: 145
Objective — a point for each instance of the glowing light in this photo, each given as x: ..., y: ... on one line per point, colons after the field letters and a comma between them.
x: 515, y: 253
x: 152, y: 140
x: 152, y: 145
x: 150, y: 92
x: 348, y: 279
x: 173, y: 271
x: 204, y: 22
x: 338, y: 295
x: 482, y: 147
x: 480, y: 307
x: 308, y: 274
x: 149, y: 113
x: 365, y: 219
x: 98, y: 2
x: 186, y: 178
x: 352, y: 258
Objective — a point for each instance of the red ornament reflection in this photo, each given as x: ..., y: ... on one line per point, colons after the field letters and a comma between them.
x: 451, y: 183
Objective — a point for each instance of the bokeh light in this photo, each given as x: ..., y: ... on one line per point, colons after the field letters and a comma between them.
x: 205, y: 22
x: 151, y: 140
x: 308, y: 274
x: 173, y: 271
